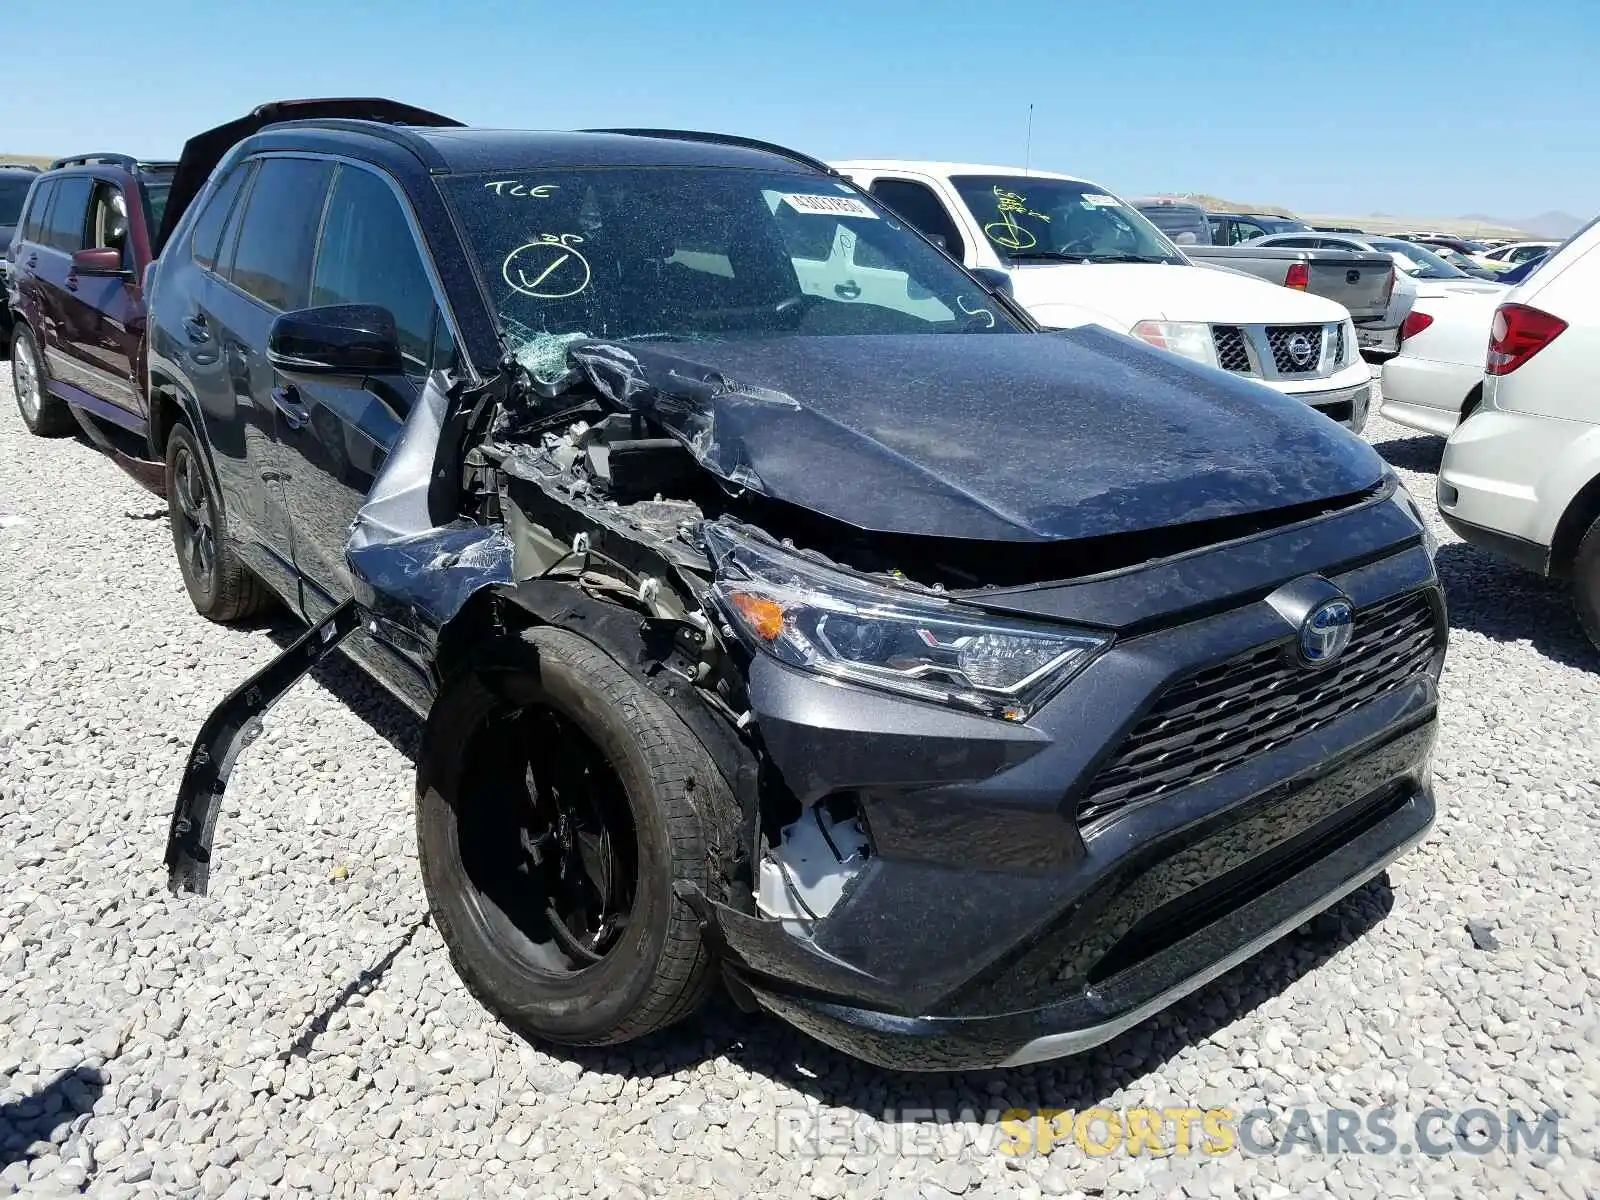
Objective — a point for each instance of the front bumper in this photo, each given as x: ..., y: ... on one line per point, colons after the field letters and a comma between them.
x: 1347, y: 403
x: 1356, y: 844
x: 1005, y: 916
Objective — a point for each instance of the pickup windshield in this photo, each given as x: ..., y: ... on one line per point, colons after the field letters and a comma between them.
x: 1030, y: 219
x: 1417, y: 261
x: 700, y: 254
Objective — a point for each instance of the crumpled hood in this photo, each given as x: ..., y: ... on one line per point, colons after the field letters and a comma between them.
x: 996, y: 437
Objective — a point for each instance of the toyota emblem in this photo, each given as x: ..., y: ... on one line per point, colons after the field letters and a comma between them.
x: 1299, y: 348
x: 1326, y: 632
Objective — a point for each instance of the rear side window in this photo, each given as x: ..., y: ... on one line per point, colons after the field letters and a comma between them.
x: 69, y: 213
x: 33, y: 226
x: 369, y: 256
x: 918, y: 205
x: 208, y: 225
x: 272, y: 259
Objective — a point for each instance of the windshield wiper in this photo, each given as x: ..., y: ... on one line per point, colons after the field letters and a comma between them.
x: 1046, y: 256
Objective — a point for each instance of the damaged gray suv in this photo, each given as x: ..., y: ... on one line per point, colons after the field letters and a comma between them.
x: 785, y: 609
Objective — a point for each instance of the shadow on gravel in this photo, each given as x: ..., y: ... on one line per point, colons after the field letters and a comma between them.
x: 1421, y: 453
x: 37, y: 1118
x: 1503, y: 602
x: 364, y: 982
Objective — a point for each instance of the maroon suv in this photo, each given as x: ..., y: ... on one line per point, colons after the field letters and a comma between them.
x: 75, y: 290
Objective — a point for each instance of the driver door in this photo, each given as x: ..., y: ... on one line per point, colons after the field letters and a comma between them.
x: 335, y: 435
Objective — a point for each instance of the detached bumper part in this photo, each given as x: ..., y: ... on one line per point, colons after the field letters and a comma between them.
x: 232, y: 726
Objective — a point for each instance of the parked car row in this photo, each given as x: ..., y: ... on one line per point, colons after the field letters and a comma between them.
x: 788, y: 607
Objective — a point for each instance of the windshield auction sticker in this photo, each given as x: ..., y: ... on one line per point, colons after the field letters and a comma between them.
x: 828, y: 206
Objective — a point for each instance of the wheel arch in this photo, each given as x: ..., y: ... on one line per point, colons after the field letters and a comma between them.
x: 1581, y: 513
x: 170, y: 405
x: 478, y: 637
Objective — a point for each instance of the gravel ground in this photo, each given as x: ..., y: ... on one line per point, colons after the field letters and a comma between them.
x: 301, y: 1028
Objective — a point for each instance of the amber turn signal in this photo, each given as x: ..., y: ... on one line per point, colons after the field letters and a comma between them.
x: 762, y: 616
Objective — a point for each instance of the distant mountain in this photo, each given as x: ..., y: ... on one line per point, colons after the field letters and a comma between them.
x: 1545, y: 225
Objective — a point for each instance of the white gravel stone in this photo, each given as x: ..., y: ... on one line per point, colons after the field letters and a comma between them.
x: 151, y: 1044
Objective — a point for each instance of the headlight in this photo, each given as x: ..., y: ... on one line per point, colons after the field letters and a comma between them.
x: 1192, y: 339
x: 848, y: 628
x: 1429, y: 541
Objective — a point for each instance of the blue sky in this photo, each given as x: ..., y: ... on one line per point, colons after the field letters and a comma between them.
x: 1399, y: 107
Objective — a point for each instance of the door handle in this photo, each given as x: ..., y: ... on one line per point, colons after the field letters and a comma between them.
x: 848, y: 290
x: 195, y: 327
x: 287, y: 401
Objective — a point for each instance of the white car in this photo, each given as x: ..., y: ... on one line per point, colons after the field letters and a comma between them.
x: 1521, y: 476
x: 1078, y: 255
x: 1503, y: 258
x: 1437, y: 378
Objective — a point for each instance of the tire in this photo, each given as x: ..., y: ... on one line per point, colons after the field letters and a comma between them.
x: 477, y: 779
x: 44, y: 415
x: 220, y: 586
x: 1586, y: 583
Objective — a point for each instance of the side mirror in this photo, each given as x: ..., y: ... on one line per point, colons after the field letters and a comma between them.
x: 994, y: 280
x: 337, y: 339
x: 99, y: 260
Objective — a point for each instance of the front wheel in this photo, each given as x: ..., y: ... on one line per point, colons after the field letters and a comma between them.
x: 554, y: 815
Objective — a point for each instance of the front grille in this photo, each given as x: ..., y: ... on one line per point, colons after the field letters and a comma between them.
x: 1231, y: 354
x: 1338, y: 344
x: 1228, y: 714
x: 1279, y: 337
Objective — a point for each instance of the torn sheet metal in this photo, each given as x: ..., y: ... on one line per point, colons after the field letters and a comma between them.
x: 406, y: 570
x: 397, y: 505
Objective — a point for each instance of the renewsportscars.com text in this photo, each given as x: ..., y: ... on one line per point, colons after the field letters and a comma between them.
x: 1102, y: 1132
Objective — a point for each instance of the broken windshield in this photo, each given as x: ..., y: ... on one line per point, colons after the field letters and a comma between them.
x: 701, y: 254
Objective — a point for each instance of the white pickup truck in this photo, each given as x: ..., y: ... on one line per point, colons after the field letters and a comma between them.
x: 1078, y: 255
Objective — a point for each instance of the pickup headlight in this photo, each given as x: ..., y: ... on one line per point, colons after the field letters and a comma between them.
x: 850, y: 629
x: 1192, y: 339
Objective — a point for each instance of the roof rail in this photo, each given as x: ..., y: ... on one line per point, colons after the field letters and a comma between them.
x: 19, y: 166
x: 726, y: 139
x: 126, y: 161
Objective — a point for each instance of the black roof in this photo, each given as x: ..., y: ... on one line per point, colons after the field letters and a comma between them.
x: 472, y: 150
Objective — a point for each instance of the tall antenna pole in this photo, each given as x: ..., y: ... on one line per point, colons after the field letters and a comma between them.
x: 1027, y: 153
